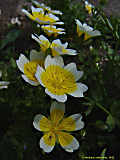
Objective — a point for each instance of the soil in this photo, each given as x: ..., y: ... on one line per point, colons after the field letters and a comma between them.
x: 12, y: 8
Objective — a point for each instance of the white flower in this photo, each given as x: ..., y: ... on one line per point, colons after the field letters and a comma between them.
x: 42, y: 40
x: 40, y: 17
x: 46, y: 8
x: 52, y: 30
x: 88, y: 7
x: 3, y: 84
x: 60, y: 80
x: 60, y: 49
x: 86, y: 30
x: 56, y: 128
x: 28, y: 67
x: 15, y: 21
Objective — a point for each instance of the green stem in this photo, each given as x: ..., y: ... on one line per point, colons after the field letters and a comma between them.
x: 101, y: 107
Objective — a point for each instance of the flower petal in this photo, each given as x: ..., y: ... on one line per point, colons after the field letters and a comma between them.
x: 71, y: 52
x: 61, y: 98
x: 33, y: 83
x: 21, y: 61
x: 56, y: 12
x: 54, y: 61
x: 72, y: 68
x: 35, y: 10
x: 53, y: 17
x: 81, y: 88
x: 38, y: 74
x: 4, y: 83
x: 2, y: 87
x: 47, y: 142
x: 72, y: 123
x: 36, y: 38
x: 41, y: 123
x: 35, y: 55
x: 28, y: 14
x: 57, y: 111
x: 67, y: 141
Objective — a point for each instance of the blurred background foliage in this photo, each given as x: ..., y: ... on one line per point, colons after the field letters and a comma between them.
x: 98, y: 57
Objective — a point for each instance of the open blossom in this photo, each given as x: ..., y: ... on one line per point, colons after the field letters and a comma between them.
x: 88, y: 31
x: 56, y: 46
x: 3, y: 84
x: 52, y: 30
x: 42, y: 40
x: 60, y: 80
x: 28, y: 67
x: 61, y: 49
x: 46, y: 8
x: 40, y: 17
x: 57, y: 128
x: 88, y: 7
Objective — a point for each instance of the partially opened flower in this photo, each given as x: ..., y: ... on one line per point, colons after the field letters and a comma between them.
x: 88, y: 31
x: 40, y: 17
x: 60, y: 80
x: 60, y: 49
x: 3, y: 84
x: 46, y: 8
x: 29, y: 67
x: 88, y: 7
x: 56, y: 128
x: 42, y: 40
x: 52, y: 30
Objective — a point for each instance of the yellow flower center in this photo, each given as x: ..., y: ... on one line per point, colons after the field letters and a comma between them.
x: 58, y: 81
x: 30, y: 69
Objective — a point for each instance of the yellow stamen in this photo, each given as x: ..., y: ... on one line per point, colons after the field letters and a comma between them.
x: 58, y: 80
x: 30, y: 69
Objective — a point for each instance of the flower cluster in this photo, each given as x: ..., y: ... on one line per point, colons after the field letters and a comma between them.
x: 44, y: 16
x: 57, y: 48
x: 58, y: 79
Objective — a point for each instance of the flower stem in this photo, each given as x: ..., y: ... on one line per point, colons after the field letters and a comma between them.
x: 104, y: 109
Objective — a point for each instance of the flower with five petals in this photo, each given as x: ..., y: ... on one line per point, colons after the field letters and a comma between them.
x: 56, y: 128
x: 52, y: 30
x: 46, y: 8
x: 60, y: 80
x: 28, y: 67
x: 40, y: 17
x: 86, y: 30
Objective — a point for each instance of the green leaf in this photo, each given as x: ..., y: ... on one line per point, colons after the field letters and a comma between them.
x: 13, y: 63
x: 11, y: 37
x: 110, y: 121
x: 101, y: 125
x: 103, y: 154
